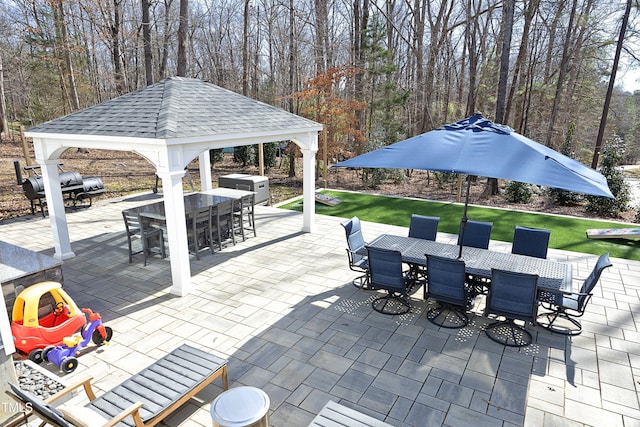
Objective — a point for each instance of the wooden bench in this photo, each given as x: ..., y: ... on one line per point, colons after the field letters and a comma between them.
x: 335, y: 415
x: 143, y: 400
x: 613, y: 233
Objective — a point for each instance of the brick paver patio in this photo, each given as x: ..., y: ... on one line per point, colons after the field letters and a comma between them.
x: 281, y: 307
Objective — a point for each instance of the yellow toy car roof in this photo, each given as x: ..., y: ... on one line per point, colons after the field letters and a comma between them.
x: 26, y: 306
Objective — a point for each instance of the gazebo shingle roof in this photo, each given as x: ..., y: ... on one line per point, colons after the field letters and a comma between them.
x: 176, y: 107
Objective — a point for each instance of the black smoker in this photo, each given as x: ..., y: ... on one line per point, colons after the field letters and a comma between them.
x: 72, y: 184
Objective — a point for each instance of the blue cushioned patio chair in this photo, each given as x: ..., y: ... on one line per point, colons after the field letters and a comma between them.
x: 530, y: 241
x: 514, y: 297
x: 386, y: 273
x: 447, y: 285
x: 422, y: 227
x: 566, y: 307
x: 477, y: 234
x: 356, y: 252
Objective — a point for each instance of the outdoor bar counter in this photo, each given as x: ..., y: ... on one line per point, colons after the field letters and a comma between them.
x: 20, y: 268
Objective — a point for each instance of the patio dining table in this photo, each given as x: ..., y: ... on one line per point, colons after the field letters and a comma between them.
x: 552, y: 275
x: 156, y: 213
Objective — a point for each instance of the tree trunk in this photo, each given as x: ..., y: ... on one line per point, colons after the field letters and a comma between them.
x: 582, y: 28
x: 470, y: 40
x: 418, y: 48
x: 563, y: 71
x: 146, y: 39
x: 115, y: 48
x: 529, y: 13
x: 361, y: 22
x: 612, y: 80
x: 183, y: 30
x: 165, y: 41
x: 320, y: 48
x: 66, y: 51
x: 507, y: 29
x: 553, y: 32
x: 4, y: 123
x: 245, y: 49
x: 292, y: 148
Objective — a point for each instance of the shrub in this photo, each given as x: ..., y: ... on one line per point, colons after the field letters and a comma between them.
x: 243, y: 154
x: 372, y: 178
x: 612, y: 155
x: 518, y: 192
x: 445, y: 179
x: 563, y: 197
x: 216, y: 156
x: 269, y: 151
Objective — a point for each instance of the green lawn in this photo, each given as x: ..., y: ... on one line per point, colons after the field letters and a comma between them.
x: 567, y: 233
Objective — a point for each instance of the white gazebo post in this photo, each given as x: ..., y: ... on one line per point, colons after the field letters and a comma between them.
x: 309, y: 182
x: 205, y: 170
x: 55, y: 206
x: 176, y: 231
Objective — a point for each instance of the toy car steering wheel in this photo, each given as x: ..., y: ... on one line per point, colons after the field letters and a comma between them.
x: 59, y: 309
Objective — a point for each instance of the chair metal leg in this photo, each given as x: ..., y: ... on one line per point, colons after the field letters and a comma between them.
x: 448, y: 316
x: 252, y: 222
x: 479, y: 285
x: 548, y: 321
x: 130, y: 249
x: 362, y: 282
x: 508, y: 333
x: 381, y: 304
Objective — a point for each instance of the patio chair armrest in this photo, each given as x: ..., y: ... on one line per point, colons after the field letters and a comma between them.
x: 133, y: 411
x: 86, y: 383
x: 359, y: 251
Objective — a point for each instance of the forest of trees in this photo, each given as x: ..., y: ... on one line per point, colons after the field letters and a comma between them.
x: 372, y: 71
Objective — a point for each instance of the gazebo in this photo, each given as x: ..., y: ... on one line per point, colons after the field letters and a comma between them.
x: 170, y: 123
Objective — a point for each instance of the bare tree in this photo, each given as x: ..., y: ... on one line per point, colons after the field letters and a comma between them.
x: 183, y: 30
x: 115, y: 47
x: 507, y: 28
x: 4, y: 125
x: 561, y: 74
x: 612, y: 80
x: 516, y: 81
x: 66, y: 52
x: 164, y: 54
x: 146, y: 39
x: 245, y: 50
x: 321, y: 44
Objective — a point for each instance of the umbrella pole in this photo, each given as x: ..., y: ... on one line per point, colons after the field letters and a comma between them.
x: 463, y: 221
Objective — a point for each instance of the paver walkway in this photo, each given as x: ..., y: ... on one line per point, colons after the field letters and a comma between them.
x: 281, y: 307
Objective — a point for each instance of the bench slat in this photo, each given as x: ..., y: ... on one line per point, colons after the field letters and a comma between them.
x: 335, y: 415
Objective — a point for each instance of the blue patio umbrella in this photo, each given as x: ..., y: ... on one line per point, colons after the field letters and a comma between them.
x: 477, y: 146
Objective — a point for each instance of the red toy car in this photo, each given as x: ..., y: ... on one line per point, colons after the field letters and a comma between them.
x: 43, y: 315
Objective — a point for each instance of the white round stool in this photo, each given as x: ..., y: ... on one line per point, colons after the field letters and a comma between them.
x: 241, y: 407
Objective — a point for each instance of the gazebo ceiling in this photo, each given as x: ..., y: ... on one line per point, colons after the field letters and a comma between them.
x: 178, y: 107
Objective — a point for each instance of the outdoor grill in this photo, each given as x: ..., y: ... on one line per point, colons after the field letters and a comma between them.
x: 73, y: 186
